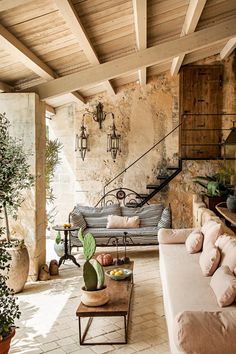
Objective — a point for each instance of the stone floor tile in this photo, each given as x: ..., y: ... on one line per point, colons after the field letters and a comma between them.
x: 48, y: 346
x: 70, y: 348
x: 102, y: 349
x: 65, y: 341
x: 56, y: 351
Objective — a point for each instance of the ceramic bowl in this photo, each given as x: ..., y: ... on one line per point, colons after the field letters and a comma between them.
x: 126, y: 273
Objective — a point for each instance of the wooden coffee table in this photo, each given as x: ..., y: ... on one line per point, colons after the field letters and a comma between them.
x: 120, y: 292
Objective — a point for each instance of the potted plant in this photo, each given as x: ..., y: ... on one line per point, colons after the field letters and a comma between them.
x: 9, y: 309
x: 94, y: 292
x: 216, y: 189
x: 15, y: 177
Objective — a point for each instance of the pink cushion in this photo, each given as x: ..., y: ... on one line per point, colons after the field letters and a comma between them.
x: 223, y: 283
x: 122, y: 222
x: 211, y: 231
x: 209, y: 260
x: 227, y: 246
x: 194, y: 241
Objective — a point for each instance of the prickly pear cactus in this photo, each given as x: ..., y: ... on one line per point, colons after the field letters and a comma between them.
x: 90, y: 277
x: 89, y: 246
x: 81, y: 235
x: 100, y: 274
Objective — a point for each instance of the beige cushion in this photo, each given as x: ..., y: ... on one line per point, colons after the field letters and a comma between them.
x: 227, y: 246
x: 202, y: 332
x: 194, y: 241
x: 122, y: 222
x: 211, y: 231
x: 209, y: 260
x: 169, y: 236
x: 223, y: 283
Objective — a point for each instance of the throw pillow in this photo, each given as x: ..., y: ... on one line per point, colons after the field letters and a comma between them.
x: 227, y: 246
x: 209, y: 261
x: 165, y: 221
x: 223, y: 283
x: 194, y: 241
x: 77, y: 219
x: 211, y: 231
x: 122, y: 222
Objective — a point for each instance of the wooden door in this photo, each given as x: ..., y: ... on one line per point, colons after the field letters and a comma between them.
x: 200, y: 111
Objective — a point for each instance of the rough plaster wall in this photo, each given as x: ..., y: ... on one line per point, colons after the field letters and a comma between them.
x: 24, y: 111
x: 143, y: 115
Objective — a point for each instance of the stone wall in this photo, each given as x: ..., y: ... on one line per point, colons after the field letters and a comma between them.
x: 143, y: 115
x: 27, y: 116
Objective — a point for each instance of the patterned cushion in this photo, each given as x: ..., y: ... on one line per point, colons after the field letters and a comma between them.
x: 97, y: 217
x: 165, y: 221
x: 149, y: 214
x: 76, y: 219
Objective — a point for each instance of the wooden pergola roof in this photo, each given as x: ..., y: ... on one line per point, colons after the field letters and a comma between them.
x: 68, y: 50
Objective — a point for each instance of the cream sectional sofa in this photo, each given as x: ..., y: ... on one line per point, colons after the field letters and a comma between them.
x: 196, y: 323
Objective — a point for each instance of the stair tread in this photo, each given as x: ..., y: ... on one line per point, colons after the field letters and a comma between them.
x: 142, y: 195
x: 152, y: 186
x: 163, y: 177
x: 172, y: 168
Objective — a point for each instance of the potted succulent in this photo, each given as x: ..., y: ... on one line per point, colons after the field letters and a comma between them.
x: 94, y: 292
x: 15, y: 177
x: 9, y: 309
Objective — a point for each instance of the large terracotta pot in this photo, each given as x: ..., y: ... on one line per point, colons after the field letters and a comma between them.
x: 19, y: 268
x: 5, y: 343
x: 95, y: 297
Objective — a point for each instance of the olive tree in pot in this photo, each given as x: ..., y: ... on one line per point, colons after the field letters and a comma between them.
x: 94, y: 292
x: 15, y: 177
x: 9, y: 309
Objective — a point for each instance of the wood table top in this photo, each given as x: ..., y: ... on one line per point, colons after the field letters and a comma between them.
x: 228, y: 215
x: 119, y: 293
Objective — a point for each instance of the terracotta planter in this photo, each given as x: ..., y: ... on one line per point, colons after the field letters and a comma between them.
x: 5, y: 344
x: 211, y: 202
x: 19, y: 268
x: 95, y: 298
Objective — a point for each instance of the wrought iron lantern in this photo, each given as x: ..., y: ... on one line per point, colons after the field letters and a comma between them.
x: 230, y: 144
x: 98, y: 115
x: 113, y: 141
x: 82, y: 141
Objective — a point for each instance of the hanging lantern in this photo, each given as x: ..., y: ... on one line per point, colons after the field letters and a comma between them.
x: 113, y: 141
x: 230, y: 144
x: 81, y: 141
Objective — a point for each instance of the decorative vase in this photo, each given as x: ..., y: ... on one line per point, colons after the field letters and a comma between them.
x: 95, y: 298
x: 5, y: 343
x: 231, y: 203
x: 19, y: 267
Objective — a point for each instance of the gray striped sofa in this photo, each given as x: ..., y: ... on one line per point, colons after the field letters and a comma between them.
x: 92, y: 219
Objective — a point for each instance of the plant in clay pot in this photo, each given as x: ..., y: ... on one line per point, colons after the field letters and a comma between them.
x: 15, y: 177
x: 9, y: 309
x: 94, y: 292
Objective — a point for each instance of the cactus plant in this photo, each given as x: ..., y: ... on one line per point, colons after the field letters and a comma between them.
x: 93, y: 272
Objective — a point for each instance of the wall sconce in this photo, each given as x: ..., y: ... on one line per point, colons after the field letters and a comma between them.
x: 99, y: 115
x: 113, y: 141
x: 82, y: 141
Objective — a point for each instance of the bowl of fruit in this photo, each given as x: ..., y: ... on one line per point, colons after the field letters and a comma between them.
x: 119, y: 273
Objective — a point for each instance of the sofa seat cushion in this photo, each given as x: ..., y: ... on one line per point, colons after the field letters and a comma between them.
x: 186, y: 289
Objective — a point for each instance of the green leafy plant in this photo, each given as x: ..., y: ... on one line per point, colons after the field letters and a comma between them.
x: 9, y: 309
x: 53, y: 148
x: 214, y: 185
x: 15, y: 173
x: 93, y: 272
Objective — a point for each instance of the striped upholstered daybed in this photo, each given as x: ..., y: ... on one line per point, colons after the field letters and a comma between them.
x: 91, y: 219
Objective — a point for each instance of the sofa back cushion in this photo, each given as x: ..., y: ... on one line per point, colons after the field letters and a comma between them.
x: 77, y: 219
x: 227, y: 246
x: 223, y: 283
x: 149, y: 215
x: 194, y: 241
x: 211, y: 231
x: 97, y: 217
x: 209, y: 261
x: 122, y: 222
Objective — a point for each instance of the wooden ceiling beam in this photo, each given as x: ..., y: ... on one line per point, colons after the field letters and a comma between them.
x: 73, y: 21
x: 140, y: 23
x: 132, y: 62
x: 16, y: 48
x: 10, y: 4
x: 192, y: 17
x: 228, y: 48
x: 50, y: 110
x: 5, y: 87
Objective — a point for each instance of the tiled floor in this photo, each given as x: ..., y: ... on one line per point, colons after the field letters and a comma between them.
x: 48, y: 323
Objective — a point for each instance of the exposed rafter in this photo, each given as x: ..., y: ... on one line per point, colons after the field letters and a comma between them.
x: 5, y: 87
x: 228, y: 48
x: 192, y: 17
x: 73, y: 22
x: 140, y: 22
x: 50, y: 110
x: 16, y: 48
x: 144, y: 58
